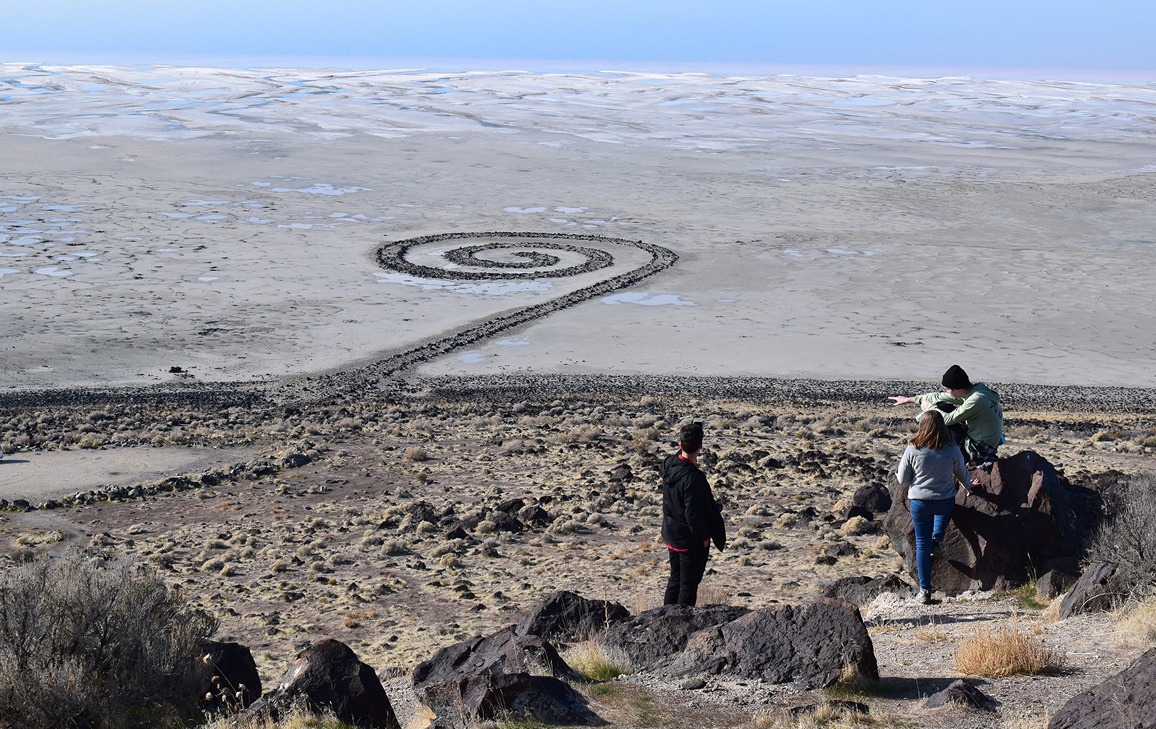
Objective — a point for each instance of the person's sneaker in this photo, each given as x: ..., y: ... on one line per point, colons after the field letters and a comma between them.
x: 924, y: 597
x: 936, y: 548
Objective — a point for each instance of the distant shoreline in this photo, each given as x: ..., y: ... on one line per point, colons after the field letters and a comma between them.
x: 536, y: 387
x: 457, y: 65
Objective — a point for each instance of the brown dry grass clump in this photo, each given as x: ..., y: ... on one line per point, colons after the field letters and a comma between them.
x: 930, y: 633
x: 1137, y: 626
x: 1026, y: 721
x: 1004, y: 651
x: 713, y: 595
x: 826, y: 715
x: 416, y: 455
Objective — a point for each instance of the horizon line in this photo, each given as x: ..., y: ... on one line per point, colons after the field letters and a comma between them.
x: 532, y: 65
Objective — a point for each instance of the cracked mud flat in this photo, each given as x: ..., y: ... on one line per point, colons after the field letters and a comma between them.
x: 355, y: 544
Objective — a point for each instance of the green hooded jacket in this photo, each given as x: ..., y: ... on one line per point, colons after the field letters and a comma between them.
x: 980, y: 411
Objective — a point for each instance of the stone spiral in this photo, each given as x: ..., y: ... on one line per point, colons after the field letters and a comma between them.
x: 336, y: 385
x: 528, y: 248
x: 392, y: 256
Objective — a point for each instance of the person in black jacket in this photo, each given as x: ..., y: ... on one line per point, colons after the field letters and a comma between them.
x: 690, y: 518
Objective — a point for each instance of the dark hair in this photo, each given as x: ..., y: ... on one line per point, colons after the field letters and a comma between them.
x: 932, y: 432
x: 690, y: 437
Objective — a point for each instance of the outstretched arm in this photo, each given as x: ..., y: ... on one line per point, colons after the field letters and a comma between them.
x: 902, y: 399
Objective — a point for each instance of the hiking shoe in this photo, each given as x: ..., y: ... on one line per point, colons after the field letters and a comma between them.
x: 924, y: 597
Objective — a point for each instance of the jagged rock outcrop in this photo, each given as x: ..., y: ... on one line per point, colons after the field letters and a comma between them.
x: 488, y: 677
x: 869, y: 500
x: 466, y: 702
x: 1124, y: 701
x: 232, y: 678
x: 655, y: 635
x: 960, y: 693
x: 1098, y: 589
x: 1022, y: 515
x: 861, y: 589
x: 328, y: 676
x: 811, y: 645
x: 501, y: 653
x: 567, y: 616
x: 1053, y: 582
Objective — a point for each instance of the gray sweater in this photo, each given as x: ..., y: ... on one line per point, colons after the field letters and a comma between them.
x: 929, y: 472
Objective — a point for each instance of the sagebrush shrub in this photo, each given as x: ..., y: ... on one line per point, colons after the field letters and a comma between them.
x: 83, y: 644
x: 1127, y: 535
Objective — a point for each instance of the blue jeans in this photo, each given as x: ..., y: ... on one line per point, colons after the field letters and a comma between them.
x: 930, y: 520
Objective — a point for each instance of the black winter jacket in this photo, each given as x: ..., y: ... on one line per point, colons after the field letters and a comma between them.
x: 689, y: 513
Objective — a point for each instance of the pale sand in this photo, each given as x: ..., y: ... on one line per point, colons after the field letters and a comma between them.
x: 848, y: 241
x: 37, y: 476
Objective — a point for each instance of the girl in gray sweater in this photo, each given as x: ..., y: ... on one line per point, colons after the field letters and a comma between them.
x: 929, y: 468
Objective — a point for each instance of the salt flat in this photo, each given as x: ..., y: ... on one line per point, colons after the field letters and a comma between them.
x: 38, y: 476
x: 224, y: 221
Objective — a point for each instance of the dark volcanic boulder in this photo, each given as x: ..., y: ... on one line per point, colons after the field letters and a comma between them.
x: 960, y: 693
x: 468, y: 701
x: 328, y: 676
x: 869, y: 500
x: 1097, y: 590
x: 503, y: 522
x: 535, y: 516
x: 861, y: 589
x: 510, y: 506
x: 652, y: 637
x: 502, y: 652
x: 568, y: 616
x: 233, y: 680
x: 1053, y: 582
x: 812, y: 645
x: 840, y: 549
x: 621, y: 472
x: 1022, y: 514
x: 420, y: 511
x: 1124, y: 701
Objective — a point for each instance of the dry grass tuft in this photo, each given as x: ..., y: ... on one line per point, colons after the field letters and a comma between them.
x: 643, y: 602
x: 852, y: 681
x: 596, y: 661
x: 1026, y: 721
x: 299, y: 717
x: 1137, y: 626
x: 589, y: 433
x: 1004, y: 651
x: 1051, y: 613
x: 713, y: 595
x: 930, y: 633
x: 416, y: 455
x: 826, y: 715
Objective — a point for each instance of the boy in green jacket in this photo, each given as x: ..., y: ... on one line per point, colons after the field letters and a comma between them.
x: 973, y: 406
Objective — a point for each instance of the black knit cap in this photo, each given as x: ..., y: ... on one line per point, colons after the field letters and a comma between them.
x: 956, y: 379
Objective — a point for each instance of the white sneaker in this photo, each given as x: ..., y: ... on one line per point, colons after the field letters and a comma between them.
x: 924, y: 597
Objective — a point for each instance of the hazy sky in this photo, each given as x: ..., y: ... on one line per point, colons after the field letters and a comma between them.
x: 1094, y: 34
